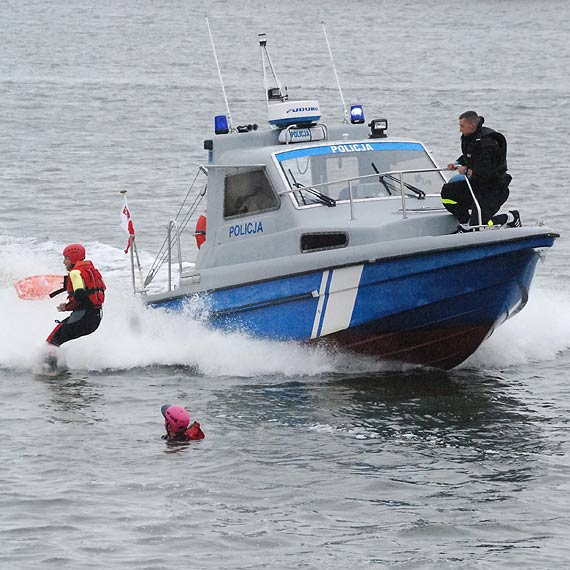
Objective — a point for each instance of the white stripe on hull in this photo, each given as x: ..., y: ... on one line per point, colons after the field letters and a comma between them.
x: 341, y: 297
x: 318, y: 314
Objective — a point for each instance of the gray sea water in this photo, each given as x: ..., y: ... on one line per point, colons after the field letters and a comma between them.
x: 311, y: 460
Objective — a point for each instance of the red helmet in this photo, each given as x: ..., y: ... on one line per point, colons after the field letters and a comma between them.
x: 75, y: 252
x: 176, y: 418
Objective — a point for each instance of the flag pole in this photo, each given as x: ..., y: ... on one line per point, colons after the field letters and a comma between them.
x: 132, y: 266
x: 132, y: 245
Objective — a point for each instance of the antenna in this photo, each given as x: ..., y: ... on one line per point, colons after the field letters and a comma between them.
x: 282, y: 113
x: 336, y: 75
x: 273, y: 92
x: 220, y: 76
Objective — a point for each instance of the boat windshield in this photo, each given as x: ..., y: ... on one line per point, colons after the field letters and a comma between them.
x: 322, y: 173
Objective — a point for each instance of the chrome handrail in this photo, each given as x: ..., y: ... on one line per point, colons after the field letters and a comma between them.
x: 399, y: 173
x: 475, y: 201
x: 404, y: 214
x: 173, y: 224
x: 183, y: 219
x: 364, y: 177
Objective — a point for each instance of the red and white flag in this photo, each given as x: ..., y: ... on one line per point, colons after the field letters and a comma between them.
x: 127, y: 223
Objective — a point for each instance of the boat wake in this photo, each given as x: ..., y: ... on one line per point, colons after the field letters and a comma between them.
x: 132, y: 335
x: 539, y: 333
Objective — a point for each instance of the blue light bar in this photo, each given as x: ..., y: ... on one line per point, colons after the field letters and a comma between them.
x: 221, y: 125
x: 356, y: 114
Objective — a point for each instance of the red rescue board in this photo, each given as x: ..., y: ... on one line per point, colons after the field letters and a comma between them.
x: 38, y: 286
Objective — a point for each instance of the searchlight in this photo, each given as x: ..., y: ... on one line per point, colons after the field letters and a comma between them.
x: 378, y: 128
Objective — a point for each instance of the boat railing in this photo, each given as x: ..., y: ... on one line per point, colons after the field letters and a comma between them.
x: 175, y: 228
x: 394, y: 175
x: 172, y: 225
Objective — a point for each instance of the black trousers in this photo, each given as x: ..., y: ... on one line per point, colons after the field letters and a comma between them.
x: 457, y: 199
x: 80, y: 323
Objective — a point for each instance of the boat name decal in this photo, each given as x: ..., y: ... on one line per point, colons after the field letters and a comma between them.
x: 300, y: 134
x: 356, y: 147
x: 246, y: 229
x: 303, y: 110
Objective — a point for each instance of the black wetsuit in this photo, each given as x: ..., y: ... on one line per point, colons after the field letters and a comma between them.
x: 81, y: 322
x: 85, y: 302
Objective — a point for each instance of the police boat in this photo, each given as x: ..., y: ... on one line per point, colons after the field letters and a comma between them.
x: 336, y: 234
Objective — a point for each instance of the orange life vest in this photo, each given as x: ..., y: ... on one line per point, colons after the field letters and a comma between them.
x: 200, y: 233
x: 192, y: 433
x: 94, y: 284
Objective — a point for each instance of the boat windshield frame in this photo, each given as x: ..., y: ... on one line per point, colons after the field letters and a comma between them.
x: 387, y: 183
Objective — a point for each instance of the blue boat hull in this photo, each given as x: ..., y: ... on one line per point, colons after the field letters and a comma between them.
x: 430, y: 308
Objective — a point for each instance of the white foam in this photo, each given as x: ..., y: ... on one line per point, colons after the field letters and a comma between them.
x: 132, y: 335
x: 538, y: 333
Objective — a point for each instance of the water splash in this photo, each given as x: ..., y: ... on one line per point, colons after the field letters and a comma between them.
x: 132, y: 335
x: 539, y: 332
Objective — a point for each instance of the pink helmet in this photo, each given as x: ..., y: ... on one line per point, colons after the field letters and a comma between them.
x: 176, y: 418
x: 75, y: 252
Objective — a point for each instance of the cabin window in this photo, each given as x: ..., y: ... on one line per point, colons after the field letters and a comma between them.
x: 340, y: 167
x: 323, y: 240
x: 341, y: 171
x: 248, y: 193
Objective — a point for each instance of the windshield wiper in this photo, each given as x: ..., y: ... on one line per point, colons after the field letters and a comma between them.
x: 320, y: 197
x: 417, y: 191
x: 382, y: 181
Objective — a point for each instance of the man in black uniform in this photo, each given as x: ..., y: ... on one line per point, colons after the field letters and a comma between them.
x: 484, y: 162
